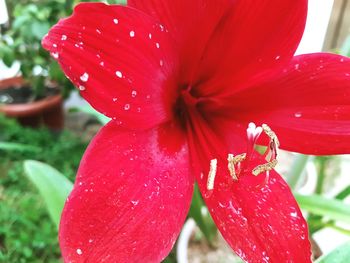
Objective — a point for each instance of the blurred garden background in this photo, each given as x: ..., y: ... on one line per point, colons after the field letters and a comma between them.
x: 45, y: 128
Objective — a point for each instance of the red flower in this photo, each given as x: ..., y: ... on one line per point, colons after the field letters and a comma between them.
x: 182, y: 79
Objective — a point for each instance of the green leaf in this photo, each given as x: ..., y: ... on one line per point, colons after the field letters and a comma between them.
x: 344, y: 193
x: 39, y: 29
x: 297, y: 169
x: 10, y: 146
x: 203, y: 220
x: 331, y: 208
x: 52, y: 185
x: 345, y: 49
x: 89, y: 110
x: 339, y: 255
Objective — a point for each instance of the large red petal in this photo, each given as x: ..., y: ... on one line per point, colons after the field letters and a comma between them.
x: 307, y: 104
x: 191, y: 23
x: 130, y: 199
x: 255, y: 36
x: 258, y: 216
x: 228, y: 41
x: 120, y: 59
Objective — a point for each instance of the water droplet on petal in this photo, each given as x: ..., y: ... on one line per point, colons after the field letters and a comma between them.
x: 64, y: 37
x: 79, y: 251
x: 134, y: 93
x: 84, y: 77
x: 127, y: 107
x: 115, y: 21
x: 135, y: 202
x: 55, y: 55
x: 132, y: 33
x: 297, y: 114
x: 119, y: 74
x: 82, y: 88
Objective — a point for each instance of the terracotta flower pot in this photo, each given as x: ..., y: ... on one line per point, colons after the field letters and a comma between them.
x: 47, y: 111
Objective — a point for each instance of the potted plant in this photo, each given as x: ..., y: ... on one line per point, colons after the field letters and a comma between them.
x: 35, y: 97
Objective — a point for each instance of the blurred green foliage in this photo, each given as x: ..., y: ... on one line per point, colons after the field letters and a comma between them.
x: 27, y: 233
x: 30, y: 21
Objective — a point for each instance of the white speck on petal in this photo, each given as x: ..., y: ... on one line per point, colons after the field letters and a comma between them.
x: 64, y: 37
x: 82, y: 88
x: 157, y: 45
x: 297, y: 66
x: 161, y: 63
x: 127, y: 107
x: 115, y: 99
x: 102, y: 63
x: 115, y: 21
x: 135, y: 202
x: 150, y: 36
x: 55, y: 55
x: 79, y: 251
x: 294, y: 214
x: 98, y: 31
x: 54, y: 45
x: 278, y: 57
x: 132, y: 33
x: 297, y: 114
x: 134, y: 93
x: 119, y: 74
x: 84, y: 77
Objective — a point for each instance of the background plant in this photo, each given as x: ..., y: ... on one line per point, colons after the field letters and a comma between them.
x: 21, y: 41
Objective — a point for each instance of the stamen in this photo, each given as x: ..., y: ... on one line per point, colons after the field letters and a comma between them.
x: 231, y: 167
x: 265, y: 167
x: 271, y: 151
x: 212, y: 174
x: 232, y: 162
x: 272, y: 135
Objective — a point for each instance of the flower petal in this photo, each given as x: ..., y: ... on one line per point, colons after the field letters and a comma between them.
x: 255, y: 36
x: 258, y: 216
x: 130, y: 199
x: 307, y: 104
x: 191, y: 23
x: 121, y: 60
x: 231, y: 36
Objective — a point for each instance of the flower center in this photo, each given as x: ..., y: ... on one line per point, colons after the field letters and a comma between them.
x: 185, y: 104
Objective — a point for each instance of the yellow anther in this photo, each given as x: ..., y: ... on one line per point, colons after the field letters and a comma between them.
x: 231, y: 167
x: 272, y: 135
x: 274, y: 144
x: 212, y: 174
x: 264, y: 167
x: 232, y: 161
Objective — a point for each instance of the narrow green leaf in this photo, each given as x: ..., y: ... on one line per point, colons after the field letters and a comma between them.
x: 297, y: 170
x: 10, y: 146
x: 203, y: 221
x: 339, y: 255
x: 344, y: 193
x: 331, y: 208
x: 52, y: 185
